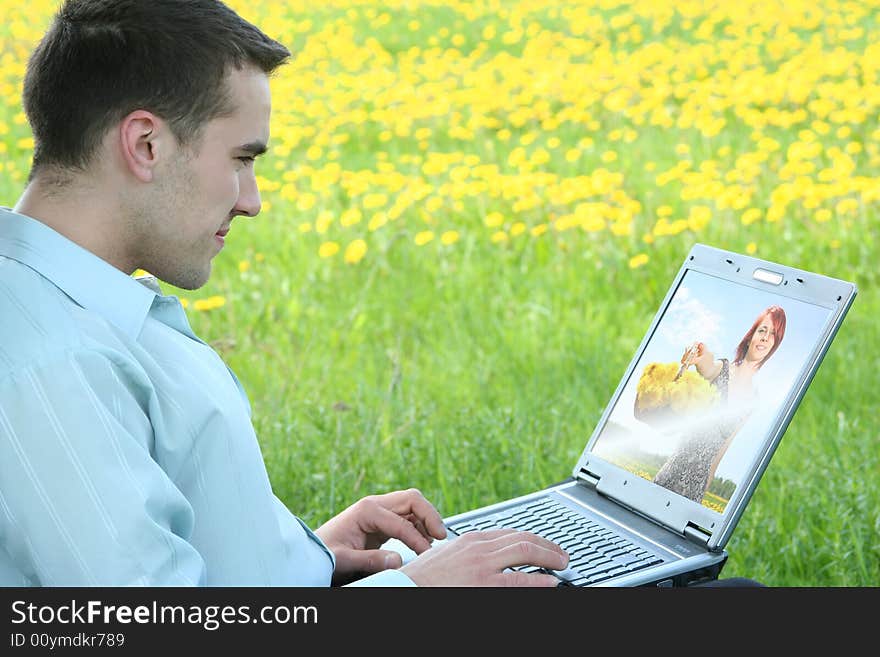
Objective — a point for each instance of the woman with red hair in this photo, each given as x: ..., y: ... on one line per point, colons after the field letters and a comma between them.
x: 691, y: 468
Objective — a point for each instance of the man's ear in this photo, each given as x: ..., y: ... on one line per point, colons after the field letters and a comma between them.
x: 141, y: 133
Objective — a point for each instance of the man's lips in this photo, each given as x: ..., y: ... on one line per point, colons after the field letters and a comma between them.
x: 220, y: 236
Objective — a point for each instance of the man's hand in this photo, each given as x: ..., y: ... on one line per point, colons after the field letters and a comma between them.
x: 354, y: 534
x: 480, y: 559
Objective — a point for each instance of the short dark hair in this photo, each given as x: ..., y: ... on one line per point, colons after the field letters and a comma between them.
x: 102, y: 59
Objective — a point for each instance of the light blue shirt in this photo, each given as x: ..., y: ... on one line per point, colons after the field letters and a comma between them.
x: 127, y: 452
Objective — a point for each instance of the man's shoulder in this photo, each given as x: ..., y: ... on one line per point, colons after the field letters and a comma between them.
x: 39, y: 319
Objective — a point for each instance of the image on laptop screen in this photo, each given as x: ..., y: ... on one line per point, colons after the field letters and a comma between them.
x: 715, y: 374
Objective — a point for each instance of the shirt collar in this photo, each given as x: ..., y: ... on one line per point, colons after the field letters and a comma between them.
x: 91, y: 282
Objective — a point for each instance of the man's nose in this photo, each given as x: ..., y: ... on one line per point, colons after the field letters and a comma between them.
x: 248, y: 196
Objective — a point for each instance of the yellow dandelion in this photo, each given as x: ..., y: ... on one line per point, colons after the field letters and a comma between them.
x: 377, y: 221
x: 210, y: 303
x: 423, y: 237
x: 328, y: 249
x: 449, y: 237
x: 638, y: 260
x: 494, y: 219
x: 355, y: 252
x: 184, y: 302
x: 751, y: 247
x: 373, y: 201
x: 823, y: 215
x: 351, y: 216
x: 538, y: 230
x: 517, y: 228
x: 699, y: 217
x: 322, y: 223
x: 499, y: 236
x: 243, y: 266
x: 750, y: 216
x: 621, y: 228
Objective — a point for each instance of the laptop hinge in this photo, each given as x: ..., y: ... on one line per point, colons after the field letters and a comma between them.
x: 697, y: 534
x: 587, y: 478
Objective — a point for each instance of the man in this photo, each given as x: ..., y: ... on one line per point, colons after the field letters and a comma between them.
x: 127, y: 454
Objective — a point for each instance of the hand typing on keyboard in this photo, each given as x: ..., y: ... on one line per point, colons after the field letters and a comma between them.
x: 597, y: 553
x: 484, y: 558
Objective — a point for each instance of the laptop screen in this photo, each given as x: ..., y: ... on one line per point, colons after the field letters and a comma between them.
x: 713, y: 377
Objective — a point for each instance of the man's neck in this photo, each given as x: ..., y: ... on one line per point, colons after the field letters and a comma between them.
x: 81, y: 214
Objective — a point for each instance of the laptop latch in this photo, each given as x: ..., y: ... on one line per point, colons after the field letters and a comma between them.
x: 587, y: 478
x: 697, y: 534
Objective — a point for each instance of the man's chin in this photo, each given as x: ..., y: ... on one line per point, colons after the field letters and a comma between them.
x: 191, y: 279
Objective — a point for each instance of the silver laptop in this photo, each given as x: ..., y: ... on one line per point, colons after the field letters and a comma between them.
x: 666, y: 475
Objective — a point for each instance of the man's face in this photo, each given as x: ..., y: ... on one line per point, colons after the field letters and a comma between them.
x: 200, y: 190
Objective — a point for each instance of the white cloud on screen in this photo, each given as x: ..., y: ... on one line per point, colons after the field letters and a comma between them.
x: 688, y: 320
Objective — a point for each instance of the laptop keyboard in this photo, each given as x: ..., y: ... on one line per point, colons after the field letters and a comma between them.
x: 596, y: 552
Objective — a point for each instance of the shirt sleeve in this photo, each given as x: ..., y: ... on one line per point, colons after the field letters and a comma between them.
x: 82, y: 501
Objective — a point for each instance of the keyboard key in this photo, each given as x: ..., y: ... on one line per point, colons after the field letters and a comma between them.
x: 568, y: 574
x: 596, y: 567
x: 625, y: 560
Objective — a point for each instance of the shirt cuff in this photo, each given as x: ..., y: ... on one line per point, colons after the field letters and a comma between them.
x: 388, y: 578
x: 317, y: 539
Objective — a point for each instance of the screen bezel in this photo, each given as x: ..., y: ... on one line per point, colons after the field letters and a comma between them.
x: 664, y: 506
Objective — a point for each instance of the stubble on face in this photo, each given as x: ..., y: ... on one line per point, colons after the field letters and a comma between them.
x: 166, y: 247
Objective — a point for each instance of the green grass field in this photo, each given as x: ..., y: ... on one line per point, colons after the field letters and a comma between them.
x: 472, y: 211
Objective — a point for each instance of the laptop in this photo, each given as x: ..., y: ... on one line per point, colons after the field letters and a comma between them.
x: 679, y: 450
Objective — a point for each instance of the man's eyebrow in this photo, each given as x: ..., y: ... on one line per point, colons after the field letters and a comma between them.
x: 253, y: 148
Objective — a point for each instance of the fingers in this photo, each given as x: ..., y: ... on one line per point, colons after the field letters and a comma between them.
x: 411, y: 502
x: 392, y: 525
x: 368, y: 562
x: 526, y: 549
x: 420, y: 527
x: 484, y: 559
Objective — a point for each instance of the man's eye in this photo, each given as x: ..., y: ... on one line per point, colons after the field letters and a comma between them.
x: 246, y: 159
